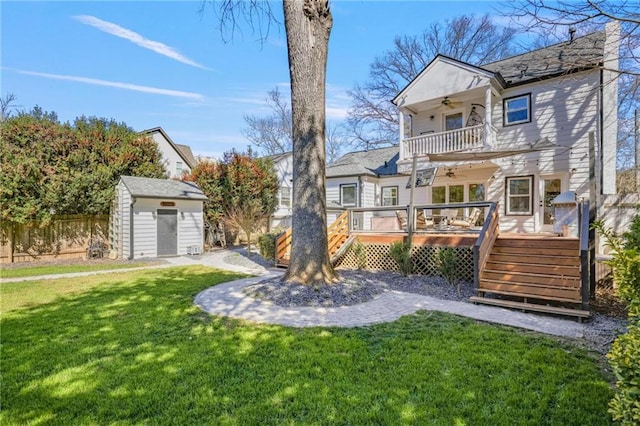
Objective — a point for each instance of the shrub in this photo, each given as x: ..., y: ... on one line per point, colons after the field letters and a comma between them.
x: 360, y: 252
x: 448, y: 266
x: 631, y: 238
x: 624, y: 356
x: 267, y: 246
x: 401, y: 253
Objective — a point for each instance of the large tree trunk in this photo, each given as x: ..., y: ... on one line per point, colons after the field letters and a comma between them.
x: 308, y: 25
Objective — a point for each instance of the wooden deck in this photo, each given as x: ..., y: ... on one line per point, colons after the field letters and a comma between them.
x: 532, y: 272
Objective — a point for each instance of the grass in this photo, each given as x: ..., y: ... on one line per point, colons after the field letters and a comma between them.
x: 132, y: 348
x: 33, y: 271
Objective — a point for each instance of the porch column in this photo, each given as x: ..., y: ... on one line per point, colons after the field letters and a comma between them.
x: 401, y: 131
x: 488, y: 137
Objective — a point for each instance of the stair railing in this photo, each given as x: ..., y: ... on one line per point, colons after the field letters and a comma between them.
x: 482, y: 248
x: 337, y: 234
x: 283, y: 246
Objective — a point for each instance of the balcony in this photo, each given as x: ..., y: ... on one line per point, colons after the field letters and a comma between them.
x: 466, y: 138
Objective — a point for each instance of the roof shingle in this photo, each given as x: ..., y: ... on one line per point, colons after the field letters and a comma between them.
x: 162, y: 188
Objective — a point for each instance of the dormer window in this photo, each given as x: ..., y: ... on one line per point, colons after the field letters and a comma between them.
x: 517, y: 110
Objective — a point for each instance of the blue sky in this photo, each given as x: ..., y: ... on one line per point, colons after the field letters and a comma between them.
x: 157, y: 63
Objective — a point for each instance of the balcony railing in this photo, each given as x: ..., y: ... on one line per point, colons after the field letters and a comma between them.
x: 449, y: 141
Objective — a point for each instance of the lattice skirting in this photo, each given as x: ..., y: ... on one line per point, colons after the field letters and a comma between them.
x: 424, y: 259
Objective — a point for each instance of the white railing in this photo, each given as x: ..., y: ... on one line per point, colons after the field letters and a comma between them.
x: 443, y: 142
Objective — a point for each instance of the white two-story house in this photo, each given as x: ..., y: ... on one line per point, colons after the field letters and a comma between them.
x: 177, y: 158
x: 518, y: 131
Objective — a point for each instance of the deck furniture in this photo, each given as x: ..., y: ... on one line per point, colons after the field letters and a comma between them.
x: 468, y: 222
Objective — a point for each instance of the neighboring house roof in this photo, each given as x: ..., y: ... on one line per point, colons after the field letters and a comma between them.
x: 276, y: 158
x: 374, y: 162
x: 582, y: 53
x: 184, y: 152
x: 162, y: 188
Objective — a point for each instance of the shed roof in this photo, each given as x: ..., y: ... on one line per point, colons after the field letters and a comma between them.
x: 162, y: 188
x: 374, y: 162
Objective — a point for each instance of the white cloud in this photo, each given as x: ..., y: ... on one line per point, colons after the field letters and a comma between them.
x: 126, y: 86
x: 132, y: 36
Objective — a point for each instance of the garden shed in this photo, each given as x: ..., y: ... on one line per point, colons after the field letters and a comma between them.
x: 156, y: 217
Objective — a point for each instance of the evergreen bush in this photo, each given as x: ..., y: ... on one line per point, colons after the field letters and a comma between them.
x: 401, y: 253
x: 267, y: 246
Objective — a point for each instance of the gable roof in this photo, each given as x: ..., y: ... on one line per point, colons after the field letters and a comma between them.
x: 442, y: 60
x: 278, y: 157
x: 582, y: 53
x: 374, y: 162
x: 184, y: 153
x: 162, y: 188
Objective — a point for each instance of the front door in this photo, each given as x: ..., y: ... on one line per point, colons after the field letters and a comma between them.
x: 167, y: 232
x: 550, y: 188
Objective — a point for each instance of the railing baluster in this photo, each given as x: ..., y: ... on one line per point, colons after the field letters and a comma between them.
x: 442, y: 142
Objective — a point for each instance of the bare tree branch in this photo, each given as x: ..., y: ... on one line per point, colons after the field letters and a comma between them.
x: 471, y: 39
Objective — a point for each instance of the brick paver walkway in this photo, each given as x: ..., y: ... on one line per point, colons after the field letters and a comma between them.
x: 228, y: 300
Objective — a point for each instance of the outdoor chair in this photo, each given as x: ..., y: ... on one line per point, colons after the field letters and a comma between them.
x: 423, y: 222
x: 470, y: 221
x: 402, y: 218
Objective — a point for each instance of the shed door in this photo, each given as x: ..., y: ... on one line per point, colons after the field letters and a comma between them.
x: 167, y: 232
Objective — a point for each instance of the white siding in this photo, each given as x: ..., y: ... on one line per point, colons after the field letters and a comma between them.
x: 564, y: 110
x: 125, y: 217
x: 170, y: 157
x: 190, y: 226
x: 284, y: 170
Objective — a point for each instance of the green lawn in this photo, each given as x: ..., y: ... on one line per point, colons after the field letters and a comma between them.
x: 33, y: 271
x: 132, y: 348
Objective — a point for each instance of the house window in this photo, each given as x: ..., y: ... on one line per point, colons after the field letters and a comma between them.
x: 517, y: 110
x: 456, y: 193
x: 453, y: 121
x: 439, y: 194
x: 348, y: 196
x: 519, y: 195
x: 389, y: 196
x: 285, y: 197
x: 179, y: 168
x: 476, y: 192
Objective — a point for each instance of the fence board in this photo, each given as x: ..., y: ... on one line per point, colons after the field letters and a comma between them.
x: 65, y: 237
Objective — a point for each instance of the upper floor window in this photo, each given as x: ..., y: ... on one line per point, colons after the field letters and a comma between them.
x: 519, y: 195
x: 348, y: 197
x: 517, y: 110
x: 285, y: 197
x: 179, y: 168
x: 389, y: 195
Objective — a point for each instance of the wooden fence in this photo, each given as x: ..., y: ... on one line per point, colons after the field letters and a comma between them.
x: 66, y: 237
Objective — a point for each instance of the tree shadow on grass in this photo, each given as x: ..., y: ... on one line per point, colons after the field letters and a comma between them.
x: 140, y: 351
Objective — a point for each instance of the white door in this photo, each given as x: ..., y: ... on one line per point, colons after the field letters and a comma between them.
x: 550, y: 187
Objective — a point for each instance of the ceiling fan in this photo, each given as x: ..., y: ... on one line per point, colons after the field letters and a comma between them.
x: 451, y: 174
x: 449, y: 103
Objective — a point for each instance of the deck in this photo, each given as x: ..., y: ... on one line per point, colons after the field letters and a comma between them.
x: 531, y: 272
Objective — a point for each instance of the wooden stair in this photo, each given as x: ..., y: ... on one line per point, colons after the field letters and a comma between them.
x: 534, y: 273
x: 337, y: 236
